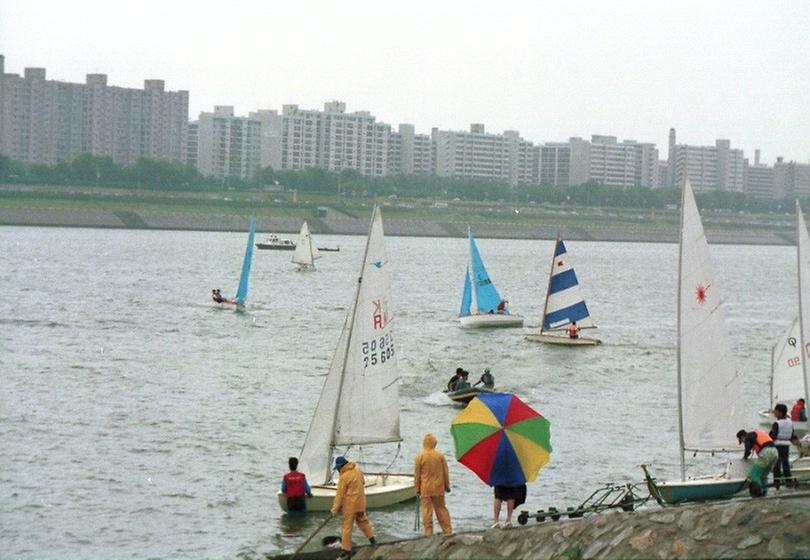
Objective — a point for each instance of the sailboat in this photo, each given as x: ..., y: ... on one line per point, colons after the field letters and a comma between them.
x: 480, y: 300
x: 306, y: 253
x: 564, y: 304
x: 359, y: 402
x: 241, y: 293
x: 787, y: 377
x: 803, y: 254
x: 709, y: 387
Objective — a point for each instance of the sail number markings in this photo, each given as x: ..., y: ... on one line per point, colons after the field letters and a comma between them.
x: 377, y: 350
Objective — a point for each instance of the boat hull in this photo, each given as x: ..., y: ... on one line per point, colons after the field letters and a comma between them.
x: 229, y: 305
x: 700, y: 490
x: 766, y: 420
x: 464, y: 396
x: 329, y: 249
x: 382, y: 490
x: 490, y: 320
x: 562, y: 340
x: 272, y: 247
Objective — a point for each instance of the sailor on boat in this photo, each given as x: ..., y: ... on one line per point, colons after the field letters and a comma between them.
x: 296, y: 488
x: 798, y: 413
x: 462, y: 382
x: 216, y: 296
x: 502, y: 306
x: 573, y: 330
x: 762, y: 444
x: 350, y: 500
x: 487, y: 379
x: 456, y: 377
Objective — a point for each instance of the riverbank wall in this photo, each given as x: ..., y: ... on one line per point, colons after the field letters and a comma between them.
x: 773, y: 527
x: 338, y: 224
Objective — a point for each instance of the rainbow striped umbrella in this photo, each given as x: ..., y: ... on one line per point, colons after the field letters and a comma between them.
x: 501, y: 439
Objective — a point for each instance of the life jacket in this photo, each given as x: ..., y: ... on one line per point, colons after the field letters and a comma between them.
x: 763, y: 440
x: 295, y: 484
x: 785, y: 431
x: 796, y: 412
x: 573, y: 330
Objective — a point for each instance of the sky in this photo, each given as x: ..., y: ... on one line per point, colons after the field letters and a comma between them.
x: 633, y: 69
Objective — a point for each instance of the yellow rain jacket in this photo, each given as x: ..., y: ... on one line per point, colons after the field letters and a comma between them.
x: 431, y: 477
x: 351, y: 491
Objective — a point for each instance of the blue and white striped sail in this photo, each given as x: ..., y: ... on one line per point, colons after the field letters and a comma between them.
x: 485, y: 297
x: 241, y: 294
x: 466, y: 296
x: 564, y: 301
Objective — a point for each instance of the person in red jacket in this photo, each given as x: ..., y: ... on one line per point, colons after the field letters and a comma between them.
x: 296, y: 488
x: 573, y: 330
x: 798, y: 413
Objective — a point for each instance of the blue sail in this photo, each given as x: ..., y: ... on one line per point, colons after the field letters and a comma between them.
x: 487, y: 297
x: 564, y: 301
x: 241, y: 294
x: 466, y: 297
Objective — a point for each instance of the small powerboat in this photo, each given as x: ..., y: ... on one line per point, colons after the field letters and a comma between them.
x: 275, y: 243
x: 464, y: 396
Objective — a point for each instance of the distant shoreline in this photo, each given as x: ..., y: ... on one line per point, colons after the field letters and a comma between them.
x: 342, y: 225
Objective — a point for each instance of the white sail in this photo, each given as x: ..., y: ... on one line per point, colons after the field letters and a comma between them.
x: 803, y: 249
x: 710, y: 393
x: 368, y: 411
x: 787, y: 379
x: 305, y: 250
x: 359, y: 402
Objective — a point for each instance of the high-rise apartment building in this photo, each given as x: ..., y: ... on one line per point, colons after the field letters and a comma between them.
x: 554, y: 164
x: 717, y: 167
x: 480, y: 155
x: 791, y: 179
x: 608, y: 162
x: 410, y: 153
x: 47, y: 121
x: 192, y: 143
x: 229, y: 146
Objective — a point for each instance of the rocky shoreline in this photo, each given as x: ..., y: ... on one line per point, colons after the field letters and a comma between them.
x: 344, y: 225
x: 773, y: 527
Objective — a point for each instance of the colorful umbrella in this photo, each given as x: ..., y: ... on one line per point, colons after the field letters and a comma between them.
x: 501, y: 439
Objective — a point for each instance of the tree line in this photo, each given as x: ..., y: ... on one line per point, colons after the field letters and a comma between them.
x: 87, y: 169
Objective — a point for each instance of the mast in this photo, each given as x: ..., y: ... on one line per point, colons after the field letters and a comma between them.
x: 349, y: 337
x: 680, y: 394
x: 548, y: 287
x: 311, y: 256
x: 803, y: 350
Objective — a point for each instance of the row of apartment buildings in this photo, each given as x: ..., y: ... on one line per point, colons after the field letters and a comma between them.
x: 47, y: 121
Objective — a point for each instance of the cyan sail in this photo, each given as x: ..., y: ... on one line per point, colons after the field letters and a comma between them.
x: 466, y: 296
x: 241, y: 294
x: 487, y: 297
x: 564, y: 301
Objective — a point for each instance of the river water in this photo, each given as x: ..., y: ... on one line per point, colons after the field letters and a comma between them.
x: 136, y: 421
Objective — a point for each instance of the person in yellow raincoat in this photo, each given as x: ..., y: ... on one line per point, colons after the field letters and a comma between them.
x: 350, y: 500
x: 431, y: 480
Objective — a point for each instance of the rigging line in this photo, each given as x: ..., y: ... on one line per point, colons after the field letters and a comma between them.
x: 399, y: 447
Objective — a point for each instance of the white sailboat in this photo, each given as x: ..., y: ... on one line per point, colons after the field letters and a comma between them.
x: 803, y: 254
x: 787, y: 377
x: 481, y: 304
x: 564, y: 304
x: 709, y: 388
x: 306, y: 253
x: 359, y: 402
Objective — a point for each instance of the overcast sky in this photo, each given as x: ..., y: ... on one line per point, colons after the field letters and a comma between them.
x: 711, y: 69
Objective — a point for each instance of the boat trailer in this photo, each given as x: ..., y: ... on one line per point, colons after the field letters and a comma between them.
x: 626, y: 497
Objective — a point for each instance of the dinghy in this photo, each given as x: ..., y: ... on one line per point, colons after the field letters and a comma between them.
x: 306, y: 253
x: 790, y: 376
x: 710, y: 403
x: 564, y: 304
x: 464, y: 396
x: 238, y: 302
x: 480, y: 300
x: 359, y: 402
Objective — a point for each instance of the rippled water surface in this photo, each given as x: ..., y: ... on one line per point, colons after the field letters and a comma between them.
x: 136, y: 421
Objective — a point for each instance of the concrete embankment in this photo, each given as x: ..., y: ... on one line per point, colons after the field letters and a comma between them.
x: 774, y: 527
x: 344, y: 225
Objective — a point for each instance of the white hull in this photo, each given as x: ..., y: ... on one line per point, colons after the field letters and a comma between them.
x: 766, y: 420
x: 490, y: 320
x: 382, y: 490
x: 562, y: 340
x: 229, y: 305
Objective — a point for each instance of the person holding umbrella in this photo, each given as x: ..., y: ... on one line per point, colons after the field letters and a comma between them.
x: 350, y: 499
x: 431, y: 480
x: 505, y: 442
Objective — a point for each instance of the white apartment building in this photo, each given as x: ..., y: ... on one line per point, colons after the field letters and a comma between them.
x: 333, y: 139
x: 614, y: 164
x: 192, y: 143
x: 410, y: 153
x: 480, y: 155
x: 47, y: 121
x: 717, y: 167
x: 228, y: 146
x: 791, y: 179
x: 554, y: 164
